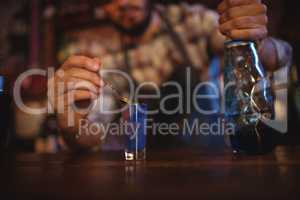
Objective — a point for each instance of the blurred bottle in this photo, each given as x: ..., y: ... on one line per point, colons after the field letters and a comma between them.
x: 28, y: 124
x: 4, y: 115
x: 248, y: 99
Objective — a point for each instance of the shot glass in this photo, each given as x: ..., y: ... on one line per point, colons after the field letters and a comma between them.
x: 135, y: 119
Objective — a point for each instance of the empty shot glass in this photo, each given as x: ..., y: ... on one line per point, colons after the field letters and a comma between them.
x: 135, y: 119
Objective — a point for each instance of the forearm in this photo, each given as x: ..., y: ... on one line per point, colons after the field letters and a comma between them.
x: 87, y: 131
x: 81, y: 135
x: 81, y: 143
x: 274, y: 53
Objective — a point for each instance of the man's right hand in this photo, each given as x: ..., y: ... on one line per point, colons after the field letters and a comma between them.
x: 75, y: 82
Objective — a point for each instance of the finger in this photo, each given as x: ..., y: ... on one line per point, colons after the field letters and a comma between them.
x: 84, y: 85
x: 244, y: 23
x: 249, y: 34
x: 248, y: 10
x: 98, y: 61
x: 82, y: 62
x: 72, y: 97
x: 222, y: 7
x: 232, y: 3
x: 226, y: 4
x: 78, y: 95
x: 85, y: 75
x: 77, y: 84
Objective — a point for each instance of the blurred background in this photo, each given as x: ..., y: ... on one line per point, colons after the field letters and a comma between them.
x: 33, y: 33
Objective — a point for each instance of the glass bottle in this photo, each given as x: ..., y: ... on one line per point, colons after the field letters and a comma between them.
x: 248, y: 99
x: 4, y: 115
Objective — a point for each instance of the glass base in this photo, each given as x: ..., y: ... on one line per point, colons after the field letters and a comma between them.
x: 135, y: 155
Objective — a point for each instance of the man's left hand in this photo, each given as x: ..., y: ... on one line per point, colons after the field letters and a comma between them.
x: 243, y: 19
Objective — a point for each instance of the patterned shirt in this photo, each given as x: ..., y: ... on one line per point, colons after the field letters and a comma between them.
x: 187, y: 36
x: 155, y: 61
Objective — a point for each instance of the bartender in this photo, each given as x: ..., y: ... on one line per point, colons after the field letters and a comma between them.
x: 153, y: 44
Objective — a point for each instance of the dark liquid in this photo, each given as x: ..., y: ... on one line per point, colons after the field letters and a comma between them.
x: 249, y: 141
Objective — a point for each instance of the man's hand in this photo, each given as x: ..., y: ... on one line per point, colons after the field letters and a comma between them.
x: 243, y: 19
x: 77, y: 80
